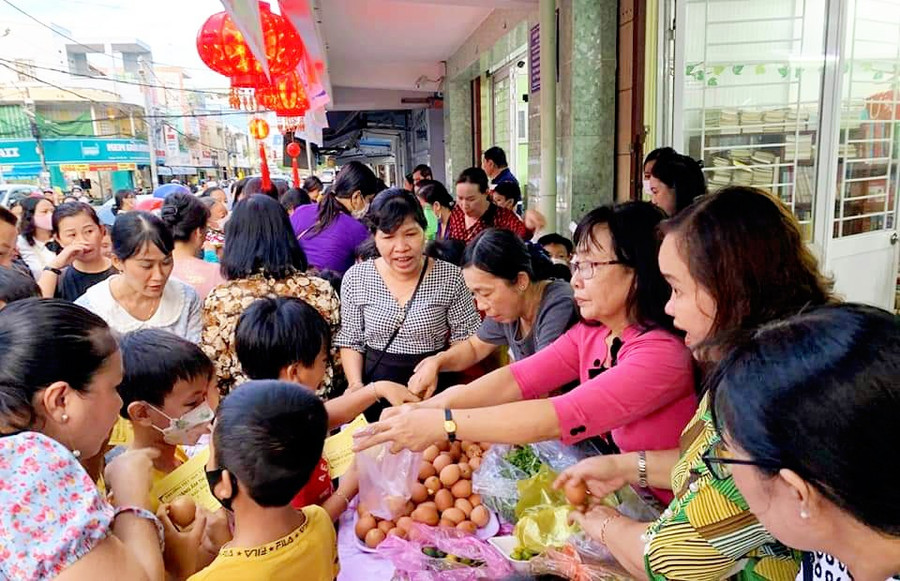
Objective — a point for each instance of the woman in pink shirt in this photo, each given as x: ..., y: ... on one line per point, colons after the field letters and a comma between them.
x: 636, y: 377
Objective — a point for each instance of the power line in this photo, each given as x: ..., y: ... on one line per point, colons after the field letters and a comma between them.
x: 80, y: 96
x: 186, y: 136
x: 67, y: 37
x: 113, y: 80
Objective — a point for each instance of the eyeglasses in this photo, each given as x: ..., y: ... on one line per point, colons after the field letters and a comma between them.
x: 586, y: 268
x: 718, y: 459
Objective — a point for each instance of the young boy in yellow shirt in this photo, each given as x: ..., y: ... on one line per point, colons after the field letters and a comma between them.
x: 267, y: 439
x: 163, y: 390
x: 285, y: 338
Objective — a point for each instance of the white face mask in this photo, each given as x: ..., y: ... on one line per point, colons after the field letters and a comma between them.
x: 562, y: 261
x: 186, y: 430
x: 647, y: 188
x: 222, y: 222
x: 358, y: 214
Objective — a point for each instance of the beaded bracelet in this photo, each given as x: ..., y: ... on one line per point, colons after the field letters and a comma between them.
x: 145, y: 514
x: 605, y: 524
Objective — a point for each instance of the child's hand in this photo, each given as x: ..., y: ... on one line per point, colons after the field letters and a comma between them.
x: 70, y: 254
x: 129, y: 476
x: 218, y: 532
x: 182, y: 547
x: 395, y: 393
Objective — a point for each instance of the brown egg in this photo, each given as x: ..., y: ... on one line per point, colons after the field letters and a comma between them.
x: 410, y: 506
x: 395, y: 505
x: 454, y: 514
x: 450, y: 475
x: 464, y: 505
x: 426, y: 470
x: 465, y: 445
x: 576, y: 493
x: 484, y: 446
x: 462, y: 489
x: 443, y: 445
x: 467, y: 526
x: 475, y: 499
x: 397, y: 532
x: 433, y: 484
x: 403, y: 523
x: 455, y: 451
x: 475, y: 452
x: 182, y: 511
x: 480, y: 516
x: 430, y: 453
x: 447, y: 524
x: 465, y: 471
x: 475, y: 463
x: 419, y: 493
x: 426, y: 515
x: 385, y: 526
x: 364, y: 525
x: 442, y: 462
x: 429, y: 504
x: 374, y: 538
x: 443, y: 499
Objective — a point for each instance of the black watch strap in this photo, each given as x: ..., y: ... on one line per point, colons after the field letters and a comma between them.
x: 55, y: 271
x: 449, y: 425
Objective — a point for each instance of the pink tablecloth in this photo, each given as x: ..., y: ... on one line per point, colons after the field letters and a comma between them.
x: 357, y: 565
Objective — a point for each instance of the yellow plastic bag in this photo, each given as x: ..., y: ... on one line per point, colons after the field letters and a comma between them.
x: 542, y: 513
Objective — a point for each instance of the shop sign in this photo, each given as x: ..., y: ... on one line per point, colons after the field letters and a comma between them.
x: 78, y: 167
x: 76, y: 151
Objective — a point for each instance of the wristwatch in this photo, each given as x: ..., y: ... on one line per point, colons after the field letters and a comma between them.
x: 449, y: 425
x: 55, y: 271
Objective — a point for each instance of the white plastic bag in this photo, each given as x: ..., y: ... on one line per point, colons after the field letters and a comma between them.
x: 386, y: 480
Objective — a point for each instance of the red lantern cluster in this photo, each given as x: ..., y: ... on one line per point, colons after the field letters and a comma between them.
x: 222, y: 48
x: 286, y: 96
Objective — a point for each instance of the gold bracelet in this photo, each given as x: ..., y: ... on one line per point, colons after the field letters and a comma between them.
x: 605, y: 524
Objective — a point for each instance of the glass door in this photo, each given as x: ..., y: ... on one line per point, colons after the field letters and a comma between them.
x: 862, y: 254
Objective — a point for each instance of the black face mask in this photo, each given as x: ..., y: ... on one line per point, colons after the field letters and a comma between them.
x: 213, y: 477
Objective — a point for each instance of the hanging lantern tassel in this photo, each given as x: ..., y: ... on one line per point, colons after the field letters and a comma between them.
x: 266, y: 180
x: 293, y: 150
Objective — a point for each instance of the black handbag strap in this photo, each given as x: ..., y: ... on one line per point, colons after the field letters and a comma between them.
x: 406, y: 308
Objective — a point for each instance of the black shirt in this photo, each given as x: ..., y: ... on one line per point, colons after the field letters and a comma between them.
x: 73, y: 283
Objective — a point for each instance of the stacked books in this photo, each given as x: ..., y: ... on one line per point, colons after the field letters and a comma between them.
x: 764, y: 169
x: 750, y: 121
x: 721, y: 177
x: 774, y: 121
x: 798, y: 148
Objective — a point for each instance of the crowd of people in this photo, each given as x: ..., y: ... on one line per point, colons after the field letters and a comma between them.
x: 691, y: 339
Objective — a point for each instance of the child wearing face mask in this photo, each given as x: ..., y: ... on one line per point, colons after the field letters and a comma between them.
x: 164, y: 395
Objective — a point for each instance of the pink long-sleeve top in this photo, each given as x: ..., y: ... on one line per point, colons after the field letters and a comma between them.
x: 645, y: 400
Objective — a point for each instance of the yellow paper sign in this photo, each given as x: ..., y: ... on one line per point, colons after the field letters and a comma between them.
x: 189, y: 479
x: 338, y: 451
x: 122, y: 433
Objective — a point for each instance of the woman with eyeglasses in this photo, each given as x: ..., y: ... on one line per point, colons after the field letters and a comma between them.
x: 811, y: 448
x: 636, y: 377
x: 735, y: 260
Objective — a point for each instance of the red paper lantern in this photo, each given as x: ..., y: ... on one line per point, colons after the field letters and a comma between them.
x: 293, y: 149
x: 259, y: 129
x: 286, y: 96
x: 222, y: 48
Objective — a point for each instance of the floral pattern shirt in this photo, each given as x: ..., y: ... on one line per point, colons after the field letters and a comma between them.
x: 51, y: 513
x: 226, y: 302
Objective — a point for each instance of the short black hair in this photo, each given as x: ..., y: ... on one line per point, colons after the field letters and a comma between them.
x: 259, y: 239
x: 184, y: 214
x: 683, y: 174
x: 366, y: 250
x: 423, y: 170
x: 333, y: 277
x: 269, y: 434
x: 433, y: 191
x: 447, y: 249
x: 293, y: 198
x: 154, y: 360
x: 254, y: 186
x: 275, y: 333
x: 207, y: 193
x: 395, y: 210
x: 134, y: 229
x: 69, y: 209
x: 474, y: 175
x: 496, y: 155
x: 15, y: 286
x: 8, y: 217
x: 657, y: 153
x: 501, y: 253
x: 509, y: 190
x: 555, y: 238
x: 312, y: 183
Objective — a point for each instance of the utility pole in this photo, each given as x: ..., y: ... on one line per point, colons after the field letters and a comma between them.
x: 28, y: 108
x: 150, y: 118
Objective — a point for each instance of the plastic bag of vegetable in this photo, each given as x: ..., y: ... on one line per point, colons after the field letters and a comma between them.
x: 437, y: 554
x: 501, y: 469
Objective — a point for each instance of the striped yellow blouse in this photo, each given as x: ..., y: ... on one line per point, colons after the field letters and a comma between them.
x: 708, y: 532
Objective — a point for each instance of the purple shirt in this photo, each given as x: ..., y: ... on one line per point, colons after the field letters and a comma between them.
x: 334, y: 247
